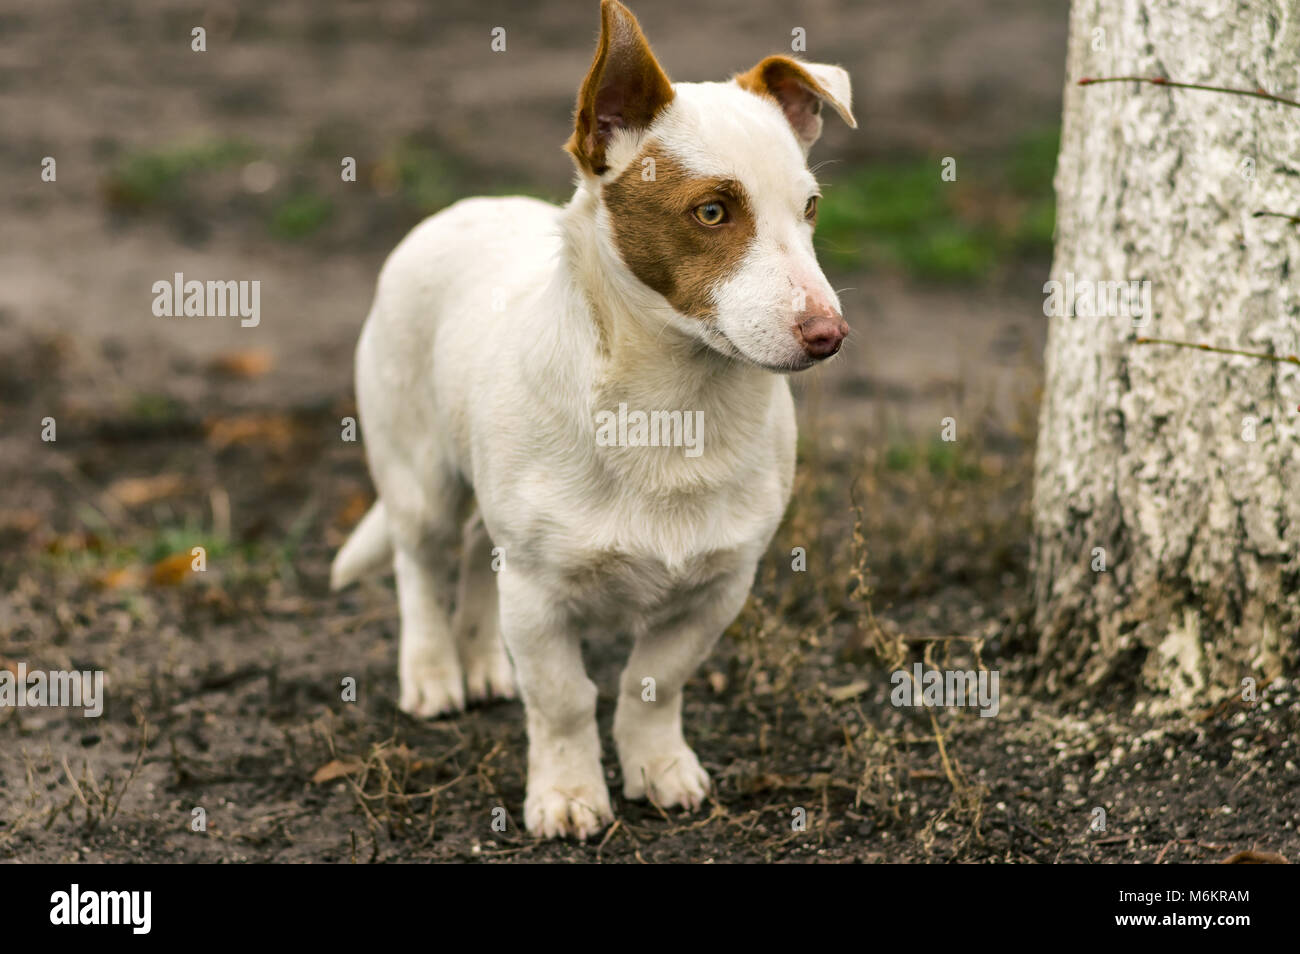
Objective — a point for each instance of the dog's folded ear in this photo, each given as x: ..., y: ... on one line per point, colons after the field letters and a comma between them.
x: 624, y: 89
x: 800, y: 89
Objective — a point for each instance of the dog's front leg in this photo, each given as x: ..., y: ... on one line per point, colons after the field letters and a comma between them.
x: 567, y: 795
x: 648, y: 721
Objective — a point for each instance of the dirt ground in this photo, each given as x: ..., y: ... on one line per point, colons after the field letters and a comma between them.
x: 224, y: 686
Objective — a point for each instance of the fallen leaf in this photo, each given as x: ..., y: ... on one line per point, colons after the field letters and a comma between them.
x: 243, y: 364
x: 78, y: 542
x: 851, y: 691
x: 169, y: 571
x: 133, y: 491
x: 337, y: 768
x: 19, y: 521
x: 116, y: 579
x: 768, y: 781
x: 275, y: 430
x: 353, y: 510
x: 219, y: 601
x: 1254, y: 858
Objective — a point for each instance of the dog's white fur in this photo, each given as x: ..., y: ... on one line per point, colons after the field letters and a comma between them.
x: 479, y: 375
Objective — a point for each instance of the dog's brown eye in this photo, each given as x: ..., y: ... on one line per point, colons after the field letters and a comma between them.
x: 810, y: 210
x: 710, y: 213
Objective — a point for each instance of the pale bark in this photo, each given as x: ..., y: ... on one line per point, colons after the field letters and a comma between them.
x: 1142, y: 449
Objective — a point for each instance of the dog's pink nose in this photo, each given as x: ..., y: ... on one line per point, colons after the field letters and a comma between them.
x: 821, y: 335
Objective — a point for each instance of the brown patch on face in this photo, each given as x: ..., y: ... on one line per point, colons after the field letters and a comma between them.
x: 662, y: 242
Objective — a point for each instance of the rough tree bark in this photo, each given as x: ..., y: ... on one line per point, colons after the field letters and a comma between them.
x: 1145, y: 450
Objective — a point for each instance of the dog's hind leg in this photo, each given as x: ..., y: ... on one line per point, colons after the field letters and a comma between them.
x: 476, y: 627
x: 424, y: 544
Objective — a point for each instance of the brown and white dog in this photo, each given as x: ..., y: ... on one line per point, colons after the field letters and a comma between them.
x: 505, y: 337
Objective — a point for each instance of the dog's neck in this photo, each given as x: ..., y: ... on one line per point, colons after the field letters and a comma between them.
x: 615, y: 341
x: 641, y: 357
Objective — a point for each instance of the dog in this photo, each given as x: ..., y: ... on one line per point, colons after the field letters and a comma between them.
x: 675, y: 291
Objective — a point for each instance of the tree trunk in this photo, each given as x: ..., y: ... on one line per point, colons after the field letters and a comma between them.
x: 1179, y: 468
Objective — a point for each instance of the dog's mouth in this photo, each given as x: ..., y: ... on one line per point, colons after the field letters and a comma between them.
x: 787, y: 368
x: 722, y: 344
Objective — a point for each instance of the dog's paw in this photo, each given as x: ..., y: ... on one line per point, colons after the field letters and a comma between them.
x: 670, y: 780
x: 578, y: 811
x: 429, y: 691
x: 489, y: 676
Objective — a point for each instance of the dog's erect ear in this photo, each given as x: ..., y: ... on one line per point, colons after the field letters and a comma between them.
x: 801, y: 88
x: 624, y: 89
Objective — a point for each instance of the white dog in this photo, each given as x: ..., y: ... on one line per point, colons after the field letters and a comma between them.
x: 591, y: 402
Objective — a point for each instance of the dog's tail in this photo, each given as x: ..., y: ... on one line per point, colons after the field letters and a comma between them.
x: 367, y: 551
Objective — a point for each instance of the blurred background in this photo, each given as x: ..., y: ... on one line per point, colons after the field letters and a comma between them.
x: 226, y: 164
x: 176, y: 433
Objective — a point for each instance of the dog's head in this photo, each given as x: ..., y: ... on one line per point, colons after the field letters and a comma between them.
x: 706, y: 195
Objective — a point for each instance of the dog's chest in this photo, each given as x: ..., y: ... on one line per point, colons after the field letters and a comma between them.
x: 610, y: 562
x: 612, y: 586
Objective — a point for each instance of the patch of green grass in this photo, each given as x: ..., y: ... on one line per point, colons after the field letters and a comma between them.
x: 948, y: 251
x: 1031, y: 163
x: 103, y: 550
x: 425, y: 179
x: 903, y: 215
x: 1030, y: 174
x: 941, y: 458
x: 150, y: 177
x: 1037, y: 229
x: 301, y: 214
x: 181, y: 538
x: 154, y: 410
